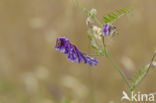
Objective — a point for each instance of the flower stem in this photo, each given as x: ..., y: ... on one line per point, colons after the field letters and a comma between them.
x: 144, y: 75
x: 104, y: 46
x: 114, y: 65
x: 131, y: 101
x: 117, y: 69
x: 97, y: 21
x: 87, y: 12
x: 81, y: 7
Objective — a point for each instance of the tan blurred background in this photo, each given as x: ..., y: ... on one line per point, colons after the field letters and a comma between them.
x: 32, y: 71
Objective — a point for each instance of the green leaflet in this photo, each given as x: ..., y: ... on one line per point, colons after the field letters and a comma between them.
x: 94, y: 46
x: 138, y: 76
x: 106, y: 19
x: 91, y: 38
x: 111, y: 17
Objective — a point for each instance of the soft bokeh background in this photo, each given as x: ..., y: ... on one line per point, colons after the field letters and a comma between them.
x: 32, y: 71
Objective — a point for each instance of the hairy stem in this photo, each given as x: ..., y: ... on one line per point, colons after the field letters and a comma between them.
x: 97, y: 21
x: 131, y: 97
x: 87, y: 12
x: 145, y: 74
x: 81, y: 7
x: 118, y: 70
x: 104, y: 46
x: 114, y: 65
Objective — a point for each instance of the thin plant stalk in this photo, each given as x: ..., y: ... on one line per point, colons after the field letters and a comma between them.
x: 114, y: 65
x: 87, y: 12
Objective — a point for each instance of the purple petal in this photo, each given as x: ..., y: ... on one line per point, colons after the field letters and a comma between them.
x: 91, y: 61
x: 108, y: 29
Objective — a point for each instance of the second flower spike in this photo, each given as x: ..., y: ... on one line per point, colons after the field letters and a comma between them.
x: 109, y: 29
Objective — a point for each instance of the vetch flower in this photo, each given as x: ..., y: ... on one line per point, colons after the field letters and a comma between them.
x: 70, y: 50
x: 97, y: 32
x: 108, y: 30
x: 61, y: 44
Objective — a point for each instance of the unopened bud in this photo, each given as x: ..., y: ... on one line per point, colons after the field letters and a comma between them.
x: 92, y: 12
x: 89, y: 22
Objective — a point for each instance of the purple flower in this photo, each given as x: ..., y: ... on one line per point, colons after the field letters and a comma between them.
x: 153, y: 65
x: 91, y: 61
x: 70, y: 50
x: 108, y: 30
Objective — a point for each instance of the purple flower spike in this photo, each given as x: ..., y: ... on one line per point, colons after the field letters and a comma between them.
x: 108, y: 30
x: 63, y: 45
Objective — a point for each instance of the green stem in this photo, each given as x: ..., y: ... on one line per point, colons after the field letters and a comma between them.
x: 81, y: 7
x: 114, y: 65
x: 144, y: 75
x: 104, y: 46
x: 97, y: 21
x: 118, y: 70
x: 87, y: 12
x: 131, y: 97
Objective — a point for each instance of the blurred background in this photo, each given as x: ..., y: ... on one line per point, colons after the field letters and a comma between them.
x: 32, y: 71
